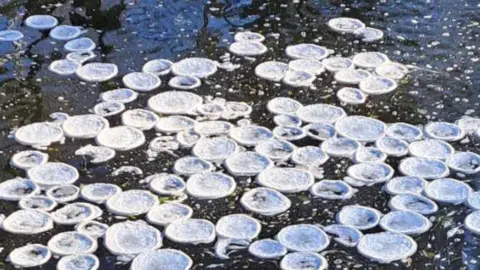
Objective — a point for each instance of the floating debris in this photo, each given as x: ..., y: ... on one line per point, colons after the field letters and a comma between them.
x: 64, y: 67
x: 28, y: 221
x: 158, y: 67
x: 53, y: 174
x: 131, y: 238
x: 267, y: 249
x: 345, y: 235
x: 141, y: 82
x: 162, y: 259
x: 386, y: 247
x: 164, y: 214
x: 247, y: 163
x: 132, y: 202
x: 97, y: 72
x: 413, y: 202
x: 303, y: 238
x: 80, y: 45
x: 210, y: 185
x: 360, y: 217
x: 30, y: 255
x: 303, y: 261
x: 41, y: 22
x: 79, y: 262
x: 265, y: 201
x: 191, y: 231
x: 66, y: 32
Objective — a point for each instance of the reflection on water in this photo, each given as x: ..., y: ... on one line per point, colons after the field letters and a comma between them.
x: 440, y: 37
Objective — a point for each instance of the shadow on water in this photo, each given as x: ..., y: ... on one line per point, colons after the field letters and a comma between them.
x: 441, y: 36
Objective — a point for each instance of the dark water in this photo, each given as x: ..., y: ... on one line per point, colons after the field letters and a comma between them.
x: 441, y: 37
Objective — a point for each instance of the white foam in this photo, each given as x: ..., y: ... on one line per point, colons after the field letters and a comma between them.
x: 162, y: 259
x: 123, y: 95
x: 37, y: 202
x: 331, y: 190
x: 320, y: 131
x: 406, y: 222
x: 214, y: 149
x: 360, y: 128
x: 174, y: 124
x: 351, y: 76
x: 250, y: 135
x: 303, y: 238
x: 312, y: 66
x: 139, y: 118
x: 432, y: 149
x: 371, y: 172
x: 28, y: 221
x: 320, y: 113
x: 351, y: 95
x: 79, y: 262
x: 166, y: 184
x: 284, y: 105
x: 303, y: 261
x: 296, y: 78
x: 27, y: 159
x: 448, y: 190
x: 75, y: 213
x: 275, y: 149
x: 289, y: 133
x: 271, y: 70
x: 369, y: 154
x: 404, y: 131
x: 247, y: 163
x: 267, y: 249
x: 340, y: 147
x: 53, y: 174
x: 369, y: 60
x: 369, y: 34
x: 360, y: 217
x: 287, y: 120
x: 30, y: 255
x: 249, y: 36
x: 392, y: 70
x: 247, y: 48
x: 413, y: 202
x: 386, y: 247
x: 184, y: 82
x: 92, y: 228
x: 424, y: 168
x: 63, y: 193
x: 444, y: 131
x: 345, y: 24
x: 286, y: 180
x: 99, y: 192
x: 81, y: 57
x: 238, y: 226
x: 345, y: 235
x: 159, y: 67
x: 392, y: 146
x: 334, y: 64
x: 405, y: 185
x: 174, y: 102
x: 190, y: 165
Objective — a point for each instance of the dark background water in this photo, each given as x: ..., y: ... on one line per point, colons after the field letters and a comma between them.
x: 441, y: 37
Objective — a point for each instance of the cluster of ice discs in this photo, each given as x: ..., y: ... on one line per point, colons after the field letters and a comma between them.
x: 48, y: 196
